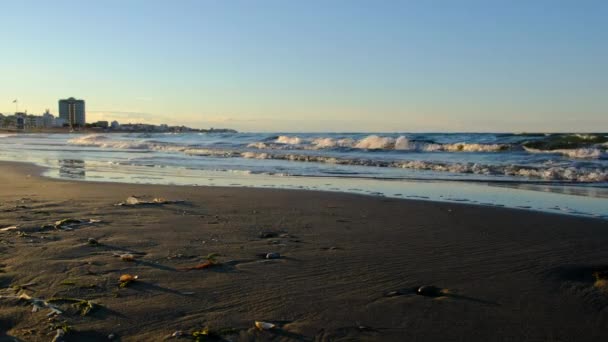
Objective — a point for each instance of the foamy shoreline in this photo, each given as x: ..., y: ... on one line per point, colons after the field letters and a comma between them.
x: 531, y: 197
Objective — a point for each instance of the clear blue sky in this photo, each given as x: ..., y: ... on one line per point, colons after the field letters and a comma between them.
x: 314, y: 65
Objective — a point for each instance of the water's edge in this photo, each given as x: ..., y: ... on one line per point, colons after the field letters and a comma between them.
x: 475, y: 194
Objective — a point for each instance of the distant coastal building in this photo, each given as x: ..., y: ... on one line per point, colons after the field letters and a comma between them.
x: 101, y: 124
x: 48, y: 119
x: 72, y: 111
x: 59, y: 122
x: 33, y: 121
x: 20, y: 120
x: 25, y: 121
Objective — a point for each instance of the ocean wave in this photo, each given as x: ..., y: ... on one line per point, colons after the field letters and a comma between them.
x: 328, y: 143
x: 258, y: 145
x: 105, y: 142
x: 283, y: 139
x: 464, y: 147
x: 206, y: 152
x: 575, y: 146
x: 372, y: 142
x: 567, y: 142
x: 576, y: 153
x: 549, y: 173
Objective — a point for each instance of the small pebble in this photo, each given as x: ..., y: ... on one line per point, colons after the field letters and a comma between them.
x: 365, y: 328
x: 267, y: 235
x: 429, y: 291
x: 127, y: 257
x: 273, y: 255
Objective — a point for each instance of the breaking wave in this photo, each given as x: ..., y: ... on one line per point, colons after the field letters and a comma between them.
x: 355, y: 152
x: 103, y: 141
x: 288, y: 140
x: 577, y: 153
x: 373, y: 142
x: 548, y: 173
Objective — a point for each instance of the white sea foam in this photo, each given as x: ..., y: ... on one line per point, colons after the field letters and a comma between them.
x: 464, y: 147
x: 402, y: 143
x: 206, y: 152
x: 283, y: 139
x: 576, y: 153
x: 373, y: 142
x: 288, y: 151
x: 258, y: 145
x: 586, y: 136
x: 91, y: 139
x: 550, y: 173
x: 323, y: 143
x: 254, y: 155
x: 582, y: 153
x: 103, y: 141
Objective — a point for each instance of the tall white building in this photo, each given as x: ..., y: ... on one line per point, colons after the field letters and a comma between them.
x: 72, y: 111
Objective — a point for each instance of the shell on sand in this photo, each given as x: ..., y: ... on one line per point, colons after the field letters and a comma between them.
x: 132, y: 200
x: 127, y: 257
x: 273, y: 255
x: 264, y: 325
x: 8, y: 228
x: 127, y: 277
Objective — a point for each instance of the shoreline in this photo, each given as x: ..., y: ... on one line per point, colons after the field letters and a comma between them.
x: 227, y: 161
x: 349, y: 265
x: 41, y: 170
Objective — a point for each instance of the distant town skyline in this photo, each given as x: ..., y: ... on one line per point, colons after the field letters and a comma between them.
x: 314, y: 66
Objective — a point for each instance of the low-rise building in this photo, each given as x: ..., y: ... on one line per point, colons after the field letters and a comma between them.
x: 20, y: 120
x: 33, y: 121
x: 60, y: 122
x: 101, y: 124
x: 48, y: 119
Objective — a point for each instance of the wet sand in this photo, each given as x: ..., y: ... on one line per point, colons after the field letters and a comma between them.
x: 349, y: 267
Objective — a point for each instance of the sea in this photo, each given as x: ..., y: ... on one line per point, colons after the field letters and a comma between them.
x: 565, y: 173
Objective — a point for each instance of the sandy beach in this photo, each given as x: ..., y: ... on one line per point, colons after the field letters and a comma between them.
x: 349, y: 266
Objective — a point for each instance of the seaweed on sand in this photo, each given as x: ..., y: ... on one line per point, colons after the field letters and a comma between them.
x: 82, y: 305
